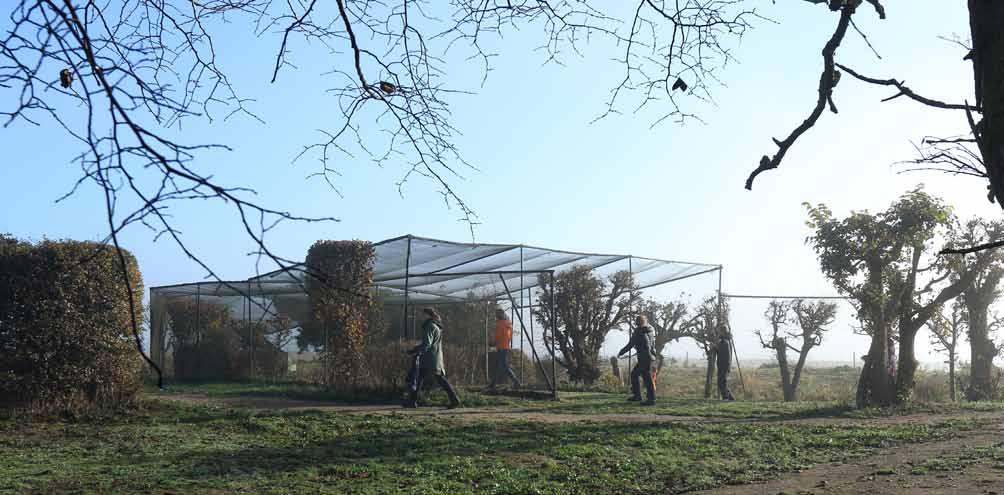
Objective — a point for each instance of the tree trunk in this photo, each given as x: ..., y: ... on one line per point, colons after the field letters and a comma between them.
x: 982, y: 358
x: 797, y: 373
x: 951, y: 375
x: 906, y: 371
x: 709, y: 378
x: 986, y: 19
x: 782, y: 361
x: 875, y: 387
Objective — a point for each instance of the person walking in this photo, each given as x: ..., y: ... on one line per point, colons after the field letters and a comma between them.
x: 724, y: 355
x: 430, y: 354
x: 643, y: 342
x: 503, y: 343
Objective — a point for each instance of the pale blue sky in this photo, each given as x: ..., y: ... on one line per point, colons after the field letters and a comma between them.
x: 548, y: 177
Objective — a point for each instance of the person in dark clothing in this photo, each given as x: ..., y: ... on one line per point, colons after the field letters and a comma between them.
x: 724, y: 354
x: 643, y: 342
x: 430, y: 354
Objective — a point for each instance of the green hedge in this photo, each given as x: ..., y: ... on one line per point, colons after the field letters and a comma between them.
x: 65, y: 327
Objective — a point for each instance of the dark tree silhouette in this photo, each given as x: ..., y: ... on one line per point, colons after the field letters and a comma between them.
x: 984, y: 116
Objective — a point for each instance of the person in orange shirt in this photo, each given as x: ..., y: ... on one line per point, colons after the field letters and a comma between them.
x: 502, y: 344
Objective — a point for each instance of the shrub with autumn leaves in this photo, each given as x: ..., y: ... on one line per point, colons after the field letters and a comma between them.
x: 65, y: 325
x: 338, y: 285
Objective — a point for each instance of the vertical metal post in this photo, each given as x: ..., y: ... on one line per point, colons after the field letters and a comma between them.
x: 198, y: 308
x: 522, y: 327
x: 250, y: 331
x: 407, y: 273
x: 487, y: 312
x: 630, y: 272
x: 554, y: 359
x: 521, y: 304
x: 718, y: 320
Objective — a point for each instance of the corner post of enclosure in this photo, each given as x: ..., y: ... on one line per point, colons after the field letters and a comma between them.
x: 521, y: 304
x: 630, y: 304
x: 407, y: 274
x: 250, y: 331
x: 554, y: 359
x: 198, y: 309
x: 487, y: 309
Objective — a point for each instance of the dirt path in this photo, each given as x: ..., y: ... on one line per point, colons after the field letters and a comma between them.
x: 955, y: 466
x: 490, y: 413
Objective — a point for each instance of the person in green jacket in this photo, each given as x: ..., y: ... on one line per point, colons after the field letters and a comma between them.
x: 430, y: 353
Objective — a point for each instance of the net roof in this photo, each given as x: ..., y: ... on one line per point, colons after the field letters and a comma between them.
x: 424, y: 270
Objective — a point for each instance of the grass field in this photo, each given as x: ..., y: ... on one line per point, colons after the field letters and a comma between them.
x: 171, y: 447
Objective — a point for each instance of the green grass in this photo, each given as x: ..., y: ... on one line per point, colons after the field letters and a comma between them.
x: 168, y: 448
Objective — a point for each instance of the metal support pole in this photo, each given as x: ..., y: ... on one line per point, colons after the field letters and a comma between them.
x: 198, y: 302
x: 738, y: 367
x: 521, y: 378
x: 523, y: 329
x: 631, y: 273
x: 250, y: 331
x: 407, y: 273
x: 487, y: 310
x: 554, y: 359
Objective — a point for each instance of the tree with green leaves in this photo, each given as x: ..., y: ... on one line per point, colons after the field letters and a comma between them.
x: 882, y: 261
x: 978, y: 297
x: 668, y: 321
x: 587, y: 308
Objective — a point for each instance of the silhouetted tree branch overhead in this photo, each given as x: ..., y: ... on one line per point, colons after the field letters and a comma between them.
x: 121, y: 76
x: 987, y: 131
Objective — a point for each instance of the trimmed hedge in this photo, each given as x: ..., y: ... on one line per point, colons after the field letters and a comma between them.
x: 341, y: 276
x: 65, y: 328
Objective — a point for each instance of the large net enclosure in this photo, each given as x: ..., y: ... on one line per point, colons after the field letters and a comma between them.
x: 266, y: 327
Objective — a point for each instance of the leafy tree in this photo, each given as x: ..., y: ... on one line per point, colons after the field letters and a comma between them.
x: 875, y: 259
x: 945, y: 333
x: 978, y: 296
x: 709, y: 322
x: 668, y: 321
x: 587, y: 309
x: 810, y: 321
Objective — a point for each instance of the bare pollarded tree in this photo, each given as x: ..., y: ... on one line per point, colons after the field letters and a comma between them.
x: 805, y: 323
x: 946, y: 329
